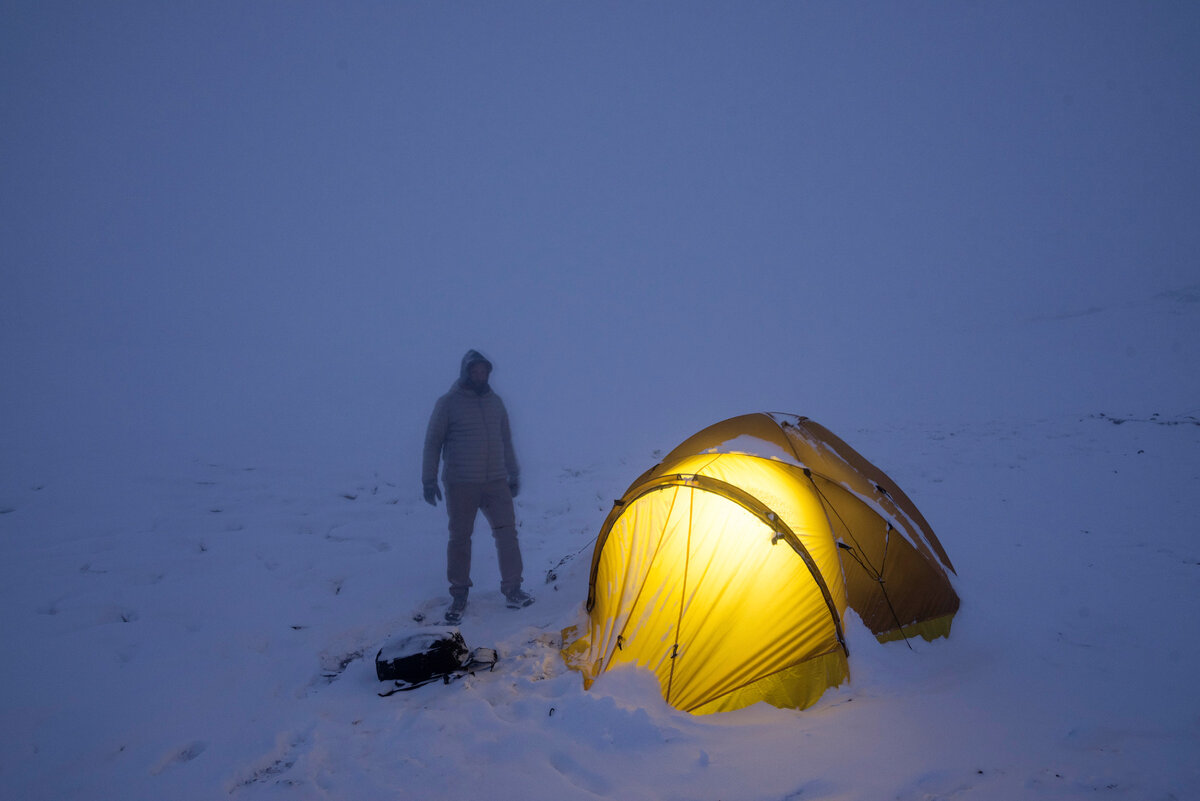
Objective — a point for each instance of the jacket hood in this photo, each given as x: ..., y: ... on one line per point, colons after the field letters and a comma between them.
x: 471, y: 357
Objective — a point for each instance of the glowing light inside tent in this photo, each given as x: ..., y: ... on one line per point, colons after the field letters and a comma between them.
x: 698, y: 588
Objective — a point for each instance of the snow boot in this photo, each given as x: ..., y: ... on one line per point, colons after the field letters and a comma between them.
x: 454, y: 613
x: 518, y: 598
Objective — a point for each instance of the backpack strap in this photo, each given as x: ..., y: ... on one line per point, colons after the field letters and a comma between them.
x: 480, y: 658
x: 404, y: 686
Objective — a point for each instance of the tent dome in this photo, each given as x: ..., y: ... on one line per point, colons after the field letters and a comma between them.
x: 727, y: 568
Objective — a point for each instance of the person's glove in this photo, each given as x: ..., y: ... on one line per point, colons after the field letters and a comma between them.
x: 514, y: 486
x: 432, y: 494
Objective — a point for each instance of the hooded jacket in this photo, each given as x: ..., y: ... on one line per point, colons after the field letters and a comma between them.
x: 469, y: 432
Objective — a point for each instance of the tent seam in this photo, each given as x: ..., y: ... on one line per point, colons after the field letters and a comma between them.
x: 638, y: 597
x: 683, y: 594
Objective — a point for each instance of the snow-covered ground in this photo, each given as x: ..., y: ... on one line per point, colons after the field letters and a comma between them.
x: 208, y: 630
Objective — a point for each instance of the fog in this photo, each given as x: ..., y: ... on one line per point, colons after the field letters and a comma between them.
x: 235, y: 228
x: 245, y: 245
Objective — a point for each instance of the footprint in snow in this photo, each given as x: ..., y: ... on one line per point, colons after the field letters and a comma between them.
x: 580, y: 776
x: 180, y: 756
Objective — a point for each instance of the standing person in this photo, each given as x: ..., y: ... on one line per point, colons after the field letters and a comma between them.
x: 469, y: 432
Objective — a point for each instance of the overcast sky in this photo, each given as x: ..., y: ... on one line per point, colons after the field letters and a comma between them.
x: 280, y: 222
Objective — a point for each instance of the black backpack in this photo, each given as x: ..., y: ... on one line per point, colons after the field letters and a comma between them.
x: 423, y: 657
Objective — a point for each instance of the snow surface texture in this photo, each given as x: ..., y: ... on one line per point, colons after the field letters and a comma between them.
x: 246, y: 245
x: 210, y: 632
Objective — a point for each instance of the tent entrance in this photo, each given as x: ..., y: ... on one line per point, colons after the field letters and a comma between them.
x: 722, y: 593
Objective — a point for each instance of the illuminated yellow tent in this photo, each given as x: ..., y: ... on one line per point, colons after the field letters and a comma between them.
x: 726, y: 569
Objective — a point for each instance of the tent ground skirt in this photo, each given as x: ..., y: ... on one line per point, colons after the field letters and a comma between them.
x: 797, y: 687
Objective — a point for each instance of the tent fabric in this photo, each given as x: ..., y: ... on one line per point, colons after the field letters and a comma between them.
x: 727, y: 568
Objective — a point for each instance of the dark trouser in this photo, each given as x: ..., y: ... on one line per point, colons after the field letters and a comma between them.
x: 463, y: 503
